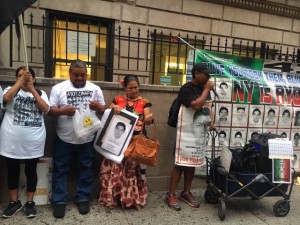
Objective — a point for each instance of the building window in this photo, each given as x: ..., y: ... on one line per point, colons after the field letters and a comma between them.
x: 73, y: 37
x: 170, y: 57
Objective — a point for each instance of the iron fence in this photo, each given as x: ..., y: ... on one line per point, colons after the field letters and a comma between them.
x: 147, y: 51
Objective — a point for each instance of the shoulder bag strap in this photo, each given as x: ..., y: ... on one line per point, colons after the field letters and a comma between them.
x: 154, y: 130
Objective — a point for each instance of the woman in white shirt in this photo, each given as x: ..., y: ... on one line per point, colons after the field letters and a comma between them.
x: 22, y: 137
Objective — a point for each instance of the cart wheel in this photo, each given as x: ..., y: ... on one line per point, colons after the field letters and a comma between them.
x: 221, y: 209
x: 281, y: 208
x: 211, y: 196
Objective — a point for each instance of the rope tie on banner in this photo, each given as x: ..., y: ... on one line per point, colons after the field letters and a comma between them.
x: 188, y: 43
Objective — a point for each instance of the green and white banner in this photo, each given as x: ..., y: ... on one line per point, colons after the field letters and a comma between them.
x: 252, y: 99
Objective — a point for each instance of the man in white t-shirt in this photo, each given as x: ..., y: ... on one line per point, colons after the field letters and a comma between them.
x: 65, y: 97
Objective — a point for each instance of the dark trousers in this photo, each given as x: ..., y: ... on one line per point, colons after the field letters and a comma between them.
x: 62, y: 155
x: 13, y: 173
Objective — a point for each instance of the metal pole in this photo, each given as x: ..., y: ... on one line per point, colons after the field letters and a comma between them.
x: 23, y: 41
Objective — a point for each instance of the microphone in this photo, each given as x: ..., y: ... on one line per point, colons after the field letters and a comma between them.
x: 213, y: 90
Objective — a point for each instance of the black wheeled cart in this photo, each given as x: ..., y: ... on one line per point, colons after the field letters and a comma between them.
x: 223, y: 185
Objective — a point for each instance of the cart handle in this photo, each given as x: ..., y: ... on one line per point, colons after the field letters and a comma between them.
x: 214, y: 133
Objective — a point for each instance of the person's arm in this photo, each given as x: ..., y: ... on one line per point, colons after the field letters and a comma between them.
x: 96, y: 106
x: 148, y: 116
x: 201, y: 100
x: 43, y: 106
x: 55, y: 105
x: 58, y: 111
x: 9, y: 95
x: 97, y: 102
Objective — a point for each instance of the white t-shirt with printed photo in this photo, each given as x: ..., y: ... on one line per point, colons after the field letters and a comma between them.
x: 65, y: 94
x: 22, y: 132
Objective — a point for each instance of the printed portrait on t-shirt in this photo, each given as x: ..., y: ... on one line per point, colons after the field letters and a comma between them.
x: 28, y: 113
x: 76, y: 97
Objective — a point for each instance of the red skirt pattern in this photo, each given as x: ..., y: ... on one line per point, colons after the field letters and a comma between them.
x: 122, y: 184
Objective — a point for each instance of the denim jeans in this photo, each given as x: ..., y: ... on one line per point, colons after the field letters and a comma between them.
x: 62, y: 155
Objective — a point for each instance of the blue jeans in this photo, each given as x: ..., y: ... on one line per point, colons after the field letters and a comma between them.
x: 62, y: 155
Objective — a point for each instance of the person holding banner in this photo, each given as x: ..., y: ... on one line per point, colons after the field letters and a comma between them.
x: 22, y: 137
x: 193, y: 96
x: 65, y: 97
x: 125, y: 183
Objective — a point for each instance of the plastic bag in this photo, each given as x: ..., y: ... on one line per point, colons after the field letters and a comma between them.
x: 85, y: 122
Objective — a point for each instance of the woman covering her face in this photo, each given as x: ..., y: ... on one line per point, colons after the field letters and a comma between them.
x: 22, y: 137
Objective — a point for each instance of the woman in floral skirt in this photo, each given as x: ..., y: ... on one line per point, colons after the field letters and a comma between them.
x: 125, y: 183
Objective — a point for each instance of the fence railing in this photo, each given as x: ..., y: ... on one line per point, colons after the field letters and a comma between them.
x: 147, y: 51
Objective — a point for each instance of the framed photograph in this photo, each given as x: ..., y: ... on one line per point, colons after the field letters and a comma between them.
x: 116, y: 131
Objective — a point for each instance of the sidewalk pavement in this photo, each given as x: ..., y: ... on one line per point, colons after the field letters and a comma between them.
x: 239, y: 211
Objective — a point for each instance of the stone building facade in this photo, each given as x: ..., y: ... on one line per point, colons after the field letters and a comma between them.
x: 216, y: 22
x: 275, y: 23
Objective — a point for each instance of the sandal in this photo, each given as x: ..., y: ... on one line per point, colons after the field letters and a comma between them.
x: 138, y: 207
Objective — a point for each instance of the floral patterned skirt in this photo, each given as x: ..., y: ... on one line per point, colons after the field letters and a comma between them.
x: 122, y: 184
